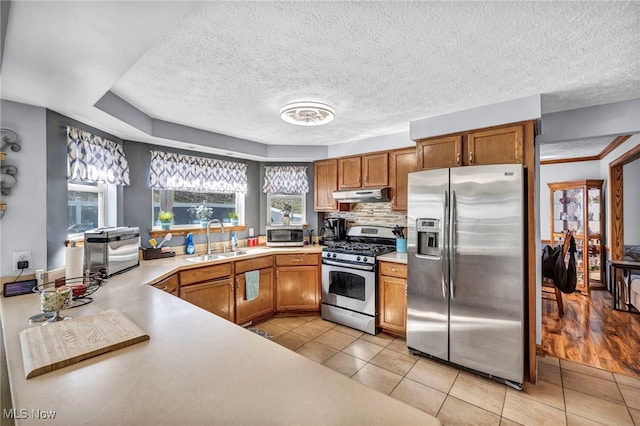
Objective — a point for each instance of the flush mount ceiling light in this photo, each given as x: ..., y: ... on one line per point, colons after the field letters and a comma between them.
x: 307, y: 113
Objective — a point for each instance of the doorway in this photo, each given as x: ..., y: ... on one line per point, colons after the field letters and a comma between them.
x: 591, y: 332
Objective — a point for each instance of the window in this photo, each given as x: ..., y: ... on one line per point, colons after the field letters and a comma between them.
x: 89, y: 206
x: 276, y: 205
x: 286, y: 188
x: 182, y: 183
x: 95, y: 166
x: 184, y: 203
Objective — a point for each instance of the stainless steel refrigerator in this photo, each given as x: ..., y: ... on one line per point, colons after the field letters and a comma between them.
x: 466, y: 282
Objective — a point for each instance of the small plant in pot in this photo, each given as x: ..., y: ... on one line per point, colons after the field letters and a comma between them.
x: 203, y: 213
x: 165, y: 219
x: 235, y: 220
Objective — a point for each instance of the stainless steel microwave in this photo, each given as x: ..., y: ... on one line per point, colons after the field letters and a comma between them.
x: 283, y: 236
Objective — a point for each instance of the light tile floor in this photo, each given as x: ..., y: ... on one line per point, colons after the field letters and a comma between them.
x: 567, y: 393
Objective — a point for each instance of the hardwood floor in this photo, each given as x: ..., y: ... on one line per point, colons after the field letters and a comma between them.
x: 592, y: 333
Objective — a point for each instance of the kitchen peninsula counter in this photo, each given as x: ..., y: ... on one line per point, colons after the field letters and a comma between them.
x: 196, y: 368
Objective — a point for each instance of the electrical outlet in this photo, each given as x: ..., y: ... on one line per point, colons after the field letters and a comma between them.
x: 19, y: 257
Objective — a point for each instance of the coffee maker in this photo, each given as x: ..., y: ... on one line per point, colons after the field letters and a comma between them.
x: 335, y: 229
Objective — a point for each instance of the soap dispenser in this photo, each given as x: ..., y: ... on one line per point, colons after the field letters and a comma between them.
x: 190, y: 248
x: 234, y: 241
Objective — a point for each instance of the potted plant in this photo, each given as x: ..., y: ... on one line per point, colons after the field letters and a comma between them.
x: 235, y: 221
x: 165, y: 219
x: 203, y: 213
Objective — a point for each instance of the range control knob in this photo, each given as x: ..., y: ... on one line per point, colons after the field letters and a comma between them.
x: 358, y: 258
x: 335, y: 255
x: 364, y: 259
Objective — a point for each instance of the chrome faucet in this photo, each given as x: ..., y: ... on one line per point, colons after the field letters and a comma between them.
x: 209, y: 232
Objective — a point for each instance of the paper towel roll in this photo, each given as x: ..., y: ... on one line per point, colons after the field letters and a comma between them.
x: 75, y: 258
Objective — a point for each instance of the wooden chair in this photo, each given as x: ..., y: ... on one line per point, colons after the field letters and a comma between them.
x: 548, y: 286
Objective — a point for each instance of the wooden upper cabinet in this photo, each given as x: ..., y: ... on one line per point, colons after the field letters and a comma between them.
x: 502, y: 145
x: 375, y: 168
x: 439, y: 153
x: 401, y: 163
x: 325, y: 182
x: 349, y: 172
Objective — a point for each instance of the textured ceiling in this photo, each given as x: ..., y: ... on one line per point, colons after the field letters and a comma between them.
x: 229, y: 67
x: 574, y: 149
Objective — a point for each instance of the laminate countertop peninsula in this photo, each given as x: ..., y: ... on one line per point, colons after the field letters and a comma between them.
x: 196, y: 369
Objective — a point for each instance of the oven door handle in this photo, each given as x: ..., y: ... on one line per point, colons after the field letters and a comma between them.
x: 348, y: 265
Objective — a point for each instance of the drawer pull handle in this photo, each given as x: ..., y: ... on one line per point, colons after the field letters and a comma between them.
x: 164, y: 288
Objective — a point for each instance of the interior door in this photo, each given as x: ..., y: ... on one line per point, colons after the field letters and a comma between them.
x: 487, y: 270
x: 427, y: 288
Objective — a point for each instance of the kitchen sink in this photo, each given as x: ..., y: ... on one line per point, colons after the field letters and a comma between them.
x: 202, y: 258
x: 232, y: 253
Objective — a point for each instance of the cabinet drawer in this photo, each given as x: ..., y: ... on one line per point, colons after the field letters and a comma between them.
x: 297, y: 259
x: 393, y: 269
x: 206, y: 273
x: 253, y: 264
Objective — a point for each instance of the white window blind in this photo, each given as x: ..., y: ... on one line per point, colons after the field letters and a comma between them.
x: 197, y: 174
x: 285, y: 180
x: 91, y: 159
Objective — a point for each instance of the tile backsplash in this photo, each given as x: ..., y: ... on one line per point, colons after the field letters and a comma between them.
x: 372, y: 214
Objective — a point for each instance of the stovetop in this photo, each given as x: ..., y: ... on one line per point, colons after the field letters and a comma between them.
x: 359, y: 248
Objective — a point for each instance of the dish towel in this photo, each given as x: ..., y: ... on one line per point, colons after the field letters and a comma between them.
x: 251, y: 284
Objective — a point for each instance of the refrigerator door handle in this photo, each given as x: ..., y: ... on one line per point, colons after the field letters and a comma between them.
x: 444, y: 249
x: 452, y: 244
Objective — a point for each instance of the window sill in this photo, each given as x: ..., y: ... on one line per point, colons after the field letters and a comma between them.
x: 156, y: 232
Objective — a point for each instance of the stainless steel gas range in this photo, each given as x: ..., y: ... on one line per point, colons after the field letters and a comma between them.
x: 349, y: 277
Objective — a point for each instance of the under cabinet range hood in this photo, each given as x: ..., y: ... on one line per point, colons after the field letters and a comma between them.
x: 373, y: 195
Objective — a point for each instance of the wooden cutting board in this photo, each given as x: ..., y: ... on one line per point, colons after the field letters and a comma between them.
x: 49, y: 347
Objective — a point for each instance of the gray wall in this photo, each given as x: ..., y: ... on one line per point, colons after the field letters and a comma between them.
x: 24, y: 225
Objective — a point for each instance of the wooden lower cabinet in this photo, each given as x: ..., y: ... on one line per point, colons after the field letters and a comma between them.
x: 297, y: 282
x: 248, y: 310
x: 214, y: 296
x: 392, y: 283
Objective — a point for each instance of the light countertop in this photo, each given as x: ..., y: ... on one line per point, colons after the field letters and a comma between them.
x: 196, y: 369
x: 393, y: 257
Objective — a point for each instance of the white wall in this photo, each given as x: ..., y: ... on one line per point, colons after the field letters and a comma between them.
x: 560, y: 173
x: 24, y: 225
x: 631, y: 179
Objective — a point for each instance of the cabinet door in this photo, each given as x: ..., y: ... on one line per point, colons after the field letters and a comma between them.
x: 247, y: 310
x: 297, y: 288
x: 393, y: 304
x: 215, y: 297
x: 169, y: 284
x: 496, y: 146
x: 375, y: 168
x: 440, y: 153
x: 349, y: 172
x: 325, y: 182
x: 401, y: 163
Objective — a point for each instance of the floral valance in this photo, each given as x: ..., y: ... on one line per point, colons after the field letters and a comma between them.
x: 91, y: 158
x: 196, y: 174
x: 286, y: 180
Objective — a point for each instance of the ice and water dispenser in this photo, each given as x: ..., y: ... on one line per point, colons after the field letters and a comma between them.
x: 428, y: 237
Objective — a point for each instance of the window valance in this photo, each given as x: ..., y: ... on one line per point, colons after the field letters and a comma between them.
x: 91, y: 158
x: 197, y: 174
x: 286, y: 180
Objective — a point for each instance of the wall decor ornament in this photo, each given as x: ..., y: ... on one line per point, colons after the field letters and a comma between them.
x: 8, y: 172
